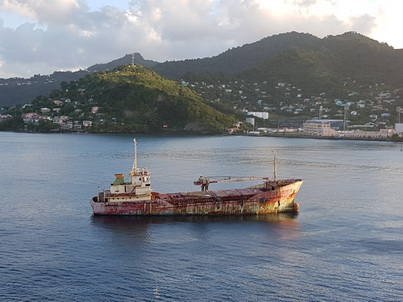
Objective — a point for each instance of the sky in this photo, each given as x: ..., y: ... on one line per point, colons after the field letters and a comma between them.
x: 43, y: 36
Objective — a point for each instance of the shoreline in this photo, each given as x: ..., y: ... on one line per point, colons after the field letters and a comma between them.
x: 283, y: 135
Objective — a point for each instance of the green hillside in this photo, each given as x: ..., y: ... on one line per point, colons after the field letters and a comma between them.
x: 238, y: 59
x: 134, y: 98
x: 310, y: 69
x: 328, y: 66
x: 313, y: 64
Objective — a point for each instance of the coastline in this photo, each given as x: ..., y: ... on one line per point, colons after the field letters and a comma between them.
x: 382, y: 139
x: 179, y: 133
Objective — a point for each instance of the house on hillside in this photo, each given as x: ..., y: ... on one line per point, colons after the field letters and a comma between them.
x: 33, y: 117
x: 87, y: 123
x: 45, y: 110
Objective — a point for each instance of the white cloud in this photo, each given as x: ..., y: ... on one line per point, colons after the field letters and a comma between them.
x: 389, y: 23
x: 41, y: 10
x: 51, y: 35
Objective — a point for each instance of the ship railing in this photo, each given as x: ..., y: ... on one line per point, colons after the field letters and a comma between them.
x: 142, y: 172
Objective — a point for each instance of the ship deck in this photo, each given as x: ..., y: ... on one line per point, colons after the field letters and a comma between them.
x: 209, y: 196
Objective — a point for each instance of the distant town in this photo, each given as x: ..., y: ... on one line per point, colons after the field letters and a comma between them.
x: 367, y: 112
x: 371, y: 111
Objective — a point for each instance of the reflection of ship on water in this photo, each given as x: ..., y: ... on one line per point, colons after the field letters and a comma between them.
x: 122, y: 222
x: 132, y: 230
x: 129, y: 224
x: 134, y: 234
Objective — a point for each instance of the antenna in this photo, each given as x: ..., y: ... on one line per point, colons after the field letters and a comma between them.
x: 345, y: 116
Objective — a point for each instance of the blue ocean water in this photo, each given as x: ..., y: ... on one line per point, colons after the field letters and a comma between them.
x: 346, y: 244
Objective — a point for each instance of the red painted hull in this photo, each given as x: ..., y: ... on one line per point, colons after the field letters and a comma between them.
x: 270, y: 197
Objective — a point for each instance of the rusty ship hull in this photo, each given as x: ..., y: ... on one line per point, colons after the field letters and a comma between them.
x: 269, y: 197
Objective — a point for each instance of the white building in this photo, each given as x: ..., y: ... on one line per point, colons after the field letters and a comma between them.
x: 250, y: 120
x: 319, y: 127
x: 399, y: 128
x: 262, y: 115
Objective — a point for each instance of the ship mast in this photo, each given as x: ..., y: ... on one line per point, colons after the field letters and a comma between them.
x: 274, y: 167
x: 134, y: 167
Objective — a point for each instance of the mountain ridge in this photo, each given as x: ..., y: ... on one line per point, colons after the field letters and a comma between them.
x: 283, y: 57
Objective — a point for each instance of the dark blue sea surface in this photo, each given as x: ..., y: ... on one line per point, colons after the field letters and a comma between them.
x: 346, y: 244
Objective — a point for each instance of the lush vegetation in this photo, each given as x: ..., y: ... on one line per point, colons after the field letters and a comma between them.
x: 311, y: 63
x: 130, y: 98
x: 343, y: 54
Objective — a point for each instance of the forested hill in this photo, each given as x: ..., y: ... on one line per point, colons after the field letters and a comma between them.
x: 334, y: 60
x: 132, y: 98
x: 127, y: 59
x: 240, y: 58
x: 298, y: 58
x: 16, y: 91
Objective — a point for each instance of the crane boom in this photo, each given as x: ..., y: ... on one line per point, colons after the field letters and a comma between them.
x: 204, y: 181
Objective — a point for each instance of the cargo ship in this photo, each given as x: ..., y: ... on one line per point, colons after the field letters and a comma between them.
x: 135, y: 196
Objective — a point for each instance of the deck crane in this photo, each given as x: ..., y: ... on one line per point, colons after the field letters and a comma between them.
x: 204, y: 181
